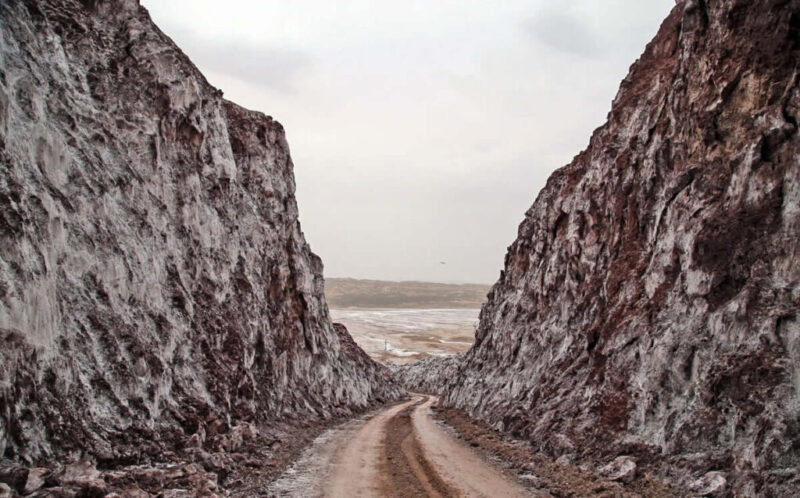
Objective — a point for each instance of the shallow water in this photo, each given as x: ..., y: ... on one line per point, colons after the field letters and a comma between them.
x: 401, y: 335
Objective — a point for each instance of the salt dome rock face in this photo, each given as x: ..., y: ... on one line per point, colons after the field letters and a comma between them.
x: 649, y: 305
x: 154, y: 281
x: 427, y: 375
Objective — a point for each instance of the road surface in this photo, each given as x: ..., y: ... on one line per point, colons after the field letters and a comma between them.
x: 398, y: 452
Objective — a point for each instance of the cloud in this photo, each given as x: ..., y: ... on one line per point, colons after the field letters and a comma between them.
x: 279, y: 68
x: 420, y: 131
x: 591, y: 29
x: 562, y: 30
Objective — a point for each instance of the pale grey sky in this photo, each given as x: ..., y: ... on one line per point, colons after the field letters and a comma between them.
x: 421, y: 131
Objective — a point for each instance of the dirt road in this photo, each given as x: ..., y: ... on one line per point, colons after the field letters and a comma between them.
x: 399, y: 452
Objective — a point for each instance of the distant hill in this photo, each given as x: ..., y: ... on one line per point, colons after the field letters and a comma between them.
x: 353, y: 293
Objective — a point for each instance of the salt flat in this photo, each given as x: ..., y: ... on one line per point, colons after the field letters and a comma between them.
x: 406, y: 335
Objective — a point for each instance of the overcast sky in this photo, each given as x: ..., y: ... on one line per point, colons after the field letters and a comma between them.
x: 421, y: 131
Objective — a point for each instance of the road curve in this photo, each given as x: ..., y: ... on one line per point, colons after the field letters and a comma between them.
x: 462, y: 468
x: 357, y: 468
x: 399, y: 452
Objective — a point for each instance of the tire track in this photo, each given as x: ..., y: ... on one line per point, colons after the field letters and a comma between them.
x: 410, y: 473
x: 467, y: 473
x: 400, y: 452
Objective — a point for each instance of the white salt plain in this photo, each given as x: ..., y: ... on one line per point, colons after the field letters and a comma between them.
x: 403, y: 335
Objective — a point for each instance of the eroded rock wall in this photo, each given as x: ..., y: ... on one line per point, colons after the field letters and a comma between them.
x: 154, y: 281
x: 649, y: 305
x: 429, y: 376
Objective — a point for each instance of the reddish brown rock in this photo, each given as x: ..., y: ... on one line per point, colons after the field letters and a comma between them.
x: 623, y: 468
x: 37, y: 478
x: 156, y: 292
x: 649, y: 306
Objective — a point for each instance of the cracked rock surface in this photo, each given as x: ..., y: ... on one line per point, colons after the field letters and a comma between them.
x: 156, y: 291
x: 649, y: 305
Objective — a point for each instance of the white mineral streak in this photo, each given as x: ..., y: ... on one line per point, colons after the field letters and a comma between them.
x: 152, y: 266
x: 649, y: 306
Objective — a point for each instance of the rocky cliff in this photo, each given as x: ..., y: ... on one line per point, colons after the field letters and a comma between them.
x: 649, y: 305
x: 429, y: 375
x: 155, y: 287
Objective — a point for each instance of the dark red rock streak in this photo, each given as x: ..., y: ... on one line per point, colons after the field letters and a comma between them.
x: 156, y: 291
x: 649, y: 306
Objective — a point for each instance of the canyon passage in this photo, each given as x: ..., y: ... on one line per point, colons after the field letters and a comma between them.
x: 164, y: 329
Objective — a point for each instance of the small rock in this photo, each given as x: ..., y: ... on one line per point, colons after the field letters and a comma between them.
x: 214, y: 427
x: 141, y: 367
x: 176, y: 493
x: 96, y: 488
x: 563, y: 442
x: 135, y: 492
x: 534, y: 480
x: 56, y: 492
x: 711, y: 484
x: 5, y: 490
x: 564, y: 460
x: 79, y: 473
x: 236, y: 437
x: 15, y: 476
x: 82, y: 477
x: 195, y: 441
x: 623, y: 468
x: 36, y: 479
